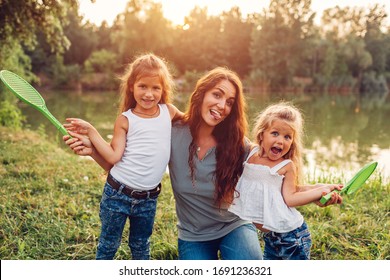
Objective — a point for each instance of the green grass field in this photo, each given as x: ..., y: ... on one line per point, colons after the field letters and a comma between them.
x: 49, y: 209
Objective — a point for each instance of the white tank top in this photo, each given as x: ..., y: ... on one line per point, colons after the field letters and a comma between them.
x: 260, y: 198
x: 147, y: 151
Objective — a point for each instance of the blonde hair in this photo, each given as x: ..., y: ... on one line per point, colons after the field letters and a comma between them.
x: 283, y: 111
x: 147, y: 65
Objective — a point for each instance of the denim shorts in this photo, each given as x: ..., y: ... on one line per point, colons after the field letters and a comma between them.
x: 115, y: 209
x: 293, y: 245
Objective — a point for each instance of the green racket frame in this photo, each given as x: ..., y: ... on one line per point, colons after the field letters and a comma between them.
x: 355, y: 183
x: 28, y: 94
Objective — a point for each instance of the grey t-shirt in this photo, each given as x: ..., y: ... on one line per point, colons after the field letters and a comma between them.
x: 199, y: 218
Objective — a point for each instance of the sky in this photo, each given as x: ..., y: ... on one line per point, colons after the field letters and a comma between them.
x: 176, y: 10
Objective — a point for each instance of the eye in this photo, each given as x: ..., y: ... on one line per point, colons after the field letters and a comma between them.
x: 274, y: 133
x: 157, y: 88
x: 217, y: 94
x: 230, y: 102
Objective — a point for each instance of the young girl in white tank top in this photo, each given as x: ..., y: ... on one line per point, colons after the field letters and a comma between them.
x: 267, y: 192
x: 138, y: 154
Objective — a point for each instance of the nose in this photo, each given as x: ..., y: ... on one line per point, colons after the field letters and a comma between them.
x: 148, y: 92
x: 221, y: 104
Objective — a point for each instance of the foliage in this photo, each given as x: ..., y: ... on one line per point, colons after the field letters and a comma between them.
x: 373, y: 85
x: 271, y: 49
x: 279, y: 38
x: 20, y: 22
x: 10, y: 115
x: 141, y: 28
x: 101, y: 62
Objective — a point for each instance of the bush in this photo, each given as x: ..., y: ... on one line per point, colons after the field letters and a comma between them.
x: 10, y: 115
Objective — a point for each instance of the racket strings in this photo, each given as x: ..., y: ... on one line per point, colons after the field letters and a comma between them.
x: 23, y: 88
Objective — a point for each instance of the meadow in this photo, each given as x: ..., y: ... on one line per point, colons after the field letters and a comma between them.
x: 49, y: 209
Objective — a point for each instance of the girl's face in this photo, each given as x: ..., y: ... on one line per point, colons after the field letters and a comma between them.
x: 277, y: 140
x: 218, y: 103
x: 147, y: 93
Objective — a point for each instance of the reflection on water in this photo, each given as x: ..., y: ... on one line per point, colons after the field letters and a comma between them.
x: 342, y: 134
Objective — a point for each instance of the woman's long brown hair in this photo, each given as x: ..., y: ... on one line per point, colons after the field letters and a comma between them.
x: 229, y: 134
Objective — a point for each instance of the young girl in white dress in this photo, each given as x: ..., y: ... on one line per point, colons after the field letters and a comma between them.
x: 267, y: 191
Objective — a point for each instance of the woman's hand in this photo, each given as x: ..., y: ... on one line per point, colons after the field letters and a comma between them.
x: 78, y: 126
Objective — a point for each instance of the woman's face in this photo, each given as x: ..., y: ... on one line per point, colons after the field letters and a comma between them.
x: 218, y: 103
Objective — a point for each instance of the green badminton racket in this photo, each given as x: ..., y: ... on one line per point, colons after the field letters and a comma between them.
x: 27, y: 93
x: 355, y: 183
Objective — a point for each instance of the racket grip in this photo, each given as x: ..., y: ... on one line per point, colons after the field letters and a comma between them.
x: 64, y: 131
x: 326, y: 198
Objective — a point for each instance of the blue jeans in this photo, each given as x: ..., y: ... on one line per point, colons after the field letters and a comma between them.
x: 293, y: 245
x: 241, y: 243
x: 115, y: 208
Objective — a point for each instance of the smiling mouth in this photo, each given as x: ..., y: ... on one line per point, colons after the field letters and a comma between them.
x: 276, y: 150
x: 217, y: 115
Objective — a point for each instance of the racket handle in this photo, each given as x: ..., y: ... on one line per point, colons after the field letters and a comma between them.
x: 326, y: 197
x: 64, y: 131
x: 54, y: 121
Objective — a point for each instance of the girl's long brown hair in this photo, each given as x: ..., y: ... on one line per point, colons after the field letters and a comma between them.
x: 144, y: 66
x: 229, y: 134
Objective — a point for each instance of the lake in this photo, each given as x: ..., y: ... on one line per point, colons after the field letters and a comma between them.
x: 342, y: 133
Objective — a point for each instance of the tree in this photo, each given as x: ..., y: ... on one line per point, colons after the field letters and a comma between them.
x: 83, y: 39
x: 20, y: 21
x: 199, y: 42
x: 141, y: 28
x: 375, y: 41
x: 278, y: 40
x: 235, y: 41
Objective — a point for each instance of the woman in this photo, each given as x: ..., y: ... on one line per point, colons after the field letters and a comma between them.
x: 207, y: 154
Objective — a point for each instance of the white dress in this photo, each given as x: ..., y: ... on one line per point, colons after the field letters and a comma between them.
x: 260, y: 199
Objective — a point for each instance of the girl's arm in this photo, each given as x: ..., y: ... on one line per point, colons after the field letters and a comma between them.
x: 111, y: 153
x: 295, y: 196
x: 175, y: 113
x: 81, y: 145
x: 336, y: 198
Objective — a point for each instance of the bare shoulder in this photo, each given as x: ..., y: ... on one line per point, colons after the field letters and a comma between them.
x: 122, y: 122
x: 290, y: 167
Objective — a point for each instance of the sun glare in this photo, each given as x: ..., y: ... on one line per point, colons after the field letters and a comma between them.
x: 176, y: 11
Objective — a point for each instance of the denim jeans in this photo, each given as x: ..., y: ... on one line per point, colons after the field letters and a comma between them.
x: 293, y: 245
x: 240, y: 244
x: 115, y: 208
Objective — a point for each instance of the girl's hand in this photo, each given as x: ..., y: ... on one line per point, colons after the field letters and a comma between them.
x: 78, y: 126
x: 335, y: 197
x: 80, y: 144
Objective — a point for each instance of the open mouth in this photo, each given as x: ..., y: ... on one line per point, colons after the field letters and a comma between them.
x: 276, y: 150
x: 217, y: 115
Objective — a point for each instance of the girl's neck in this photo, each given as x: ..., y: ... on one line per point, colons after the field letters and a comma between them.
x: 149, y: 113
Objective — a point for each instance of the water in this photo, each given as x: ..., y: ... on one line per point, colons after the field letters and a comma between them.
x: 342, y: 133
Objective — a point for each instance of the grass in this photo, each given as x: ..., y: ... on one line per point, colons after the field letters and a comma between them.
x: 49, y: 209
